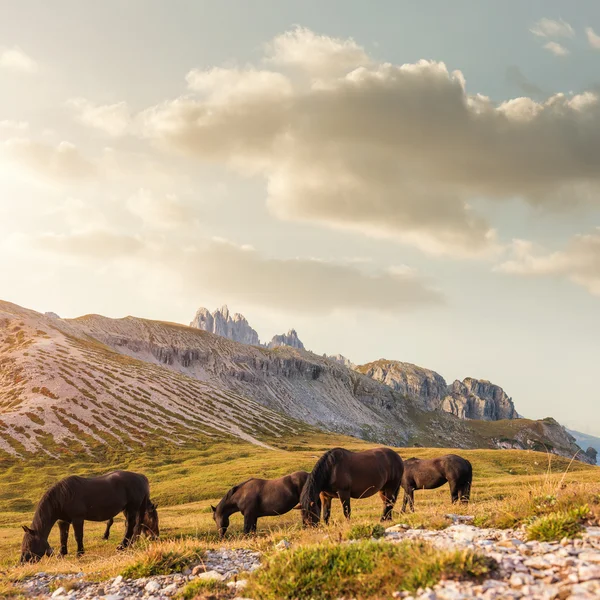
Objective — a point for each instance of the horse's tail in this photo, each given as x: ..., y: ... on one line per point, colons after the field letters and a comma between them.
x: 468, y: 482
x: 319, y: 475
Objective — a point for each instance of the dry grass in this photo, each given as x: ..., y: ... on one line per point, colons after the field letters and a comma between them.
x: 510, y: 488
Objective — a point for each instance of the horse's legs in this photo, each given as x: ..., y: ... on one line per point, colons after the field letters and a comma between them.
x: 130, y: 521
x: 63, y: 527
x: 109, y: 524
x: 345, y: 500
x: 78, y: 531
x: 454, y: 492
x: 389, y: 500
x: 326, y: 502
x: 409, y: 498
x: 250, y: 521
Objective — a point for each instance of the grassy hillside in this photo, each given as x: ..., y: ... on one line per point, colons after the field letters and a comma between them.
x: 509, y: 486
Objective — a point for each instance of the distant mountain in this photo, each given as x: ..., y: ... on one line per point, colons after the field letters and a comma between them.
x: 238, y: 329
x: 286, y: 339
x: 467, y: 399
x: 342, y: 360
x: 586, y: 440
x: 93, y: 384
x: 219, y: 322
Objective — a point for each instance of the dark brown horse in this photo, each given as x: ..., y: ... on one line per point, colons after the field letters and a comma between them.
x: 343, y: 474
x: 149, y: 525
x: 77, y: 499
x: 433, y: 473
x: 259, y: 498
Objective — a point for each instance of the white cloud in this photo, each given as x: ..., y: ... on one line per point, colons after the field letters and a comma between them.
x: 556, y: 49
x: 159, y: 212
x: 579, y: 262
x: 552, y: 28
x: 318, y: 55
x: 95, y: 244
x: 240, y: 273
x: 593, y: 38
x: 62, y: 162
x: 395, y: 151
x: 14, y: 59
x: 113, y: 119
x: 12, y: 127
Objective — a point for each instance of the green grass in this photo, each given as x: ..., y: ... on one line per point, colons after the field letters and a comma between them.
x: 558, y: 525
x: 510, y: 488
x: 365, y: 531
x: 205, y: 587
x: 365, y: 569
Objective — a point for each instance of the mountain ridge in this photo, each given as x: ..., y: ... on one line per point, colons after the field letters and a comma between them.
x: 186, y: 379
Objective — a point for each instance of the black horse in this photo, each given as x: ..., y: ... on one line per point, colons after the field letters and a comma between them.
x: 343, y: 474
x: 259, y: 498
x: 149, y: 525
x: 421, y: 474
x: 77, y: 499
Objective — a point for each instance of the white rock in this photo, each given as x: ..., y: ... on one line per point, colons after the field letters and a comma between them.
x: 58, y: 592
x: 211, y: 575
x: 283, y: 545
x: 152, y: 586
x: 117, y: 580
x: 586, y: 573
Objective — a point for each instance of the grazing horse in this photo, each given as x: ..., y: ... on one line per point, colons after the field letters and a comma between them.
x: 343, y: 474
x: 259, y: 498
x: 433, y: 473
x: 74, y: 500
x: 149, y: 526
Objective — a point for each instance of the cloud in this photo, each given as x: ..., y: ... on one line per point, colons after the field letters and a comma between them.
x: 556, y: 49
x: 515, y: 76
x: 550, y: 28
x: 14, y: 59
x: 160, y: 212
x: 112, y: 119
x: 99, y: 244
x: 318, y: 55
x: 593, y: 38
x: 579, y: 262
x: 395, y: 151
x: 241, y: 274
x: 63, y: 162
x: 12, y: 127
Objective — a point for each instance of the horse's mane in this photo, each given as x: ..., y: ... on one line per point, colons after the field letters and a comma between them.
x: 53, y: 500
x: 227, y: 497
x: 314, y: 483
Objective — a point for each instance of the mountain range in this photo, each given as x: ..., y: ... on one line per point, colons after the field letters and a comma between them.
x: 86, y: 384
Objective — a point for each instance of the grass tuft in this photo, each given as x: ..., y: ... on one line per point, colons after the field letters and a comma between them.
x: 205, y: 588
x: 365, y: 531
x: 556, y: 526
x: 366, y: 569
x: 164, y: 559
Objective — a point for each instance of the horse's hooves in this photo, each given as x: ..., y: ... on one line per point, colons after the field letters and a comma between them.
x: 80, y: 554
x: 121, y: 547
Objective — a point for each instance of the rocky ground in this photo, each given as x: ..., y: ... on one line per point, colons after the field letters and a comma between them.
x: 566, y: 570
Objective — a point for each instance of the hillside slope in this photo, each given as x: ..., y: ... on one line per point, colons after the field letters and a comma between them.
x: 90, y: 383
x: 62, y: 391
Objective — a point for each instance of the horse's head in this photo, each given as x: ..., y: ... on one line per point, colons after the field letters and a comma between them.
x: 34, y: 547
x: 221, y: 519
x: 311, y: 512
x: 151, y: 521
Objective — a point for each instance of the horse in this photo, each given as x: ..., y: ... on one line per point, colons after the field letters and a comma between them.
x: 343, y: 474
x: 149, y: 526
x: 75, y: 499
x: 259, y: 498
x: 432, y: 473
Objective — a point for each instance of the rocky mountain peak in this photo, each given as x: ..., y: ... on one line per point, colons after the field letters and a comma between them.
x: 221, y: 323
x: 286, y: 339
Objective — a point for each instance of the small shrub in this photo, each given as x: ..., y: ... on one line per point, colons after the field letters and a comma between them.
x: 204, y: 587
x: 163, y: 559
x: 365, y: 531
x: 366, y: 569
x: 555, y: 526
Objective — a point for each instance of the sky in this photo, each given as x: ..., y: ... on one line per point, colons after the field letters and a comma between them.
x: 400, y: 180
